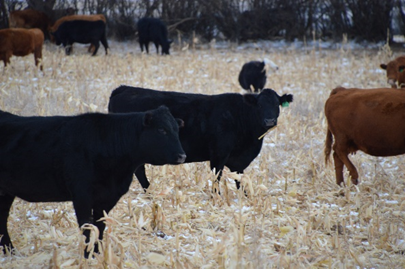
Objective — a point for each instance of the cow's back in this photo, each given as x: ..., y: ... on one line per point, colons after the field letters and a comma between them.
x: 95, y: 17
x: 127, y: 99
x: 20, y: 41
x: 370, y: 120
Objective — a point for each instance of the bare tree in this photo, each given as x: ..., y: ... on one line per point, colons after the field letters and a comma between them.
x: 3, y: 15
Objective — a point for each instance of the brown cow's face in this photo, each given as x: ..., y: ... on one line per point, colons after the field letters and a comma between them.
x: 395, y: 72
x: 392, y: 73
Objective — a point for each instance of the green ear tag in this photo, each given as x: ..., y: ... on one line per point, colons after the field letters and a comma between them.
x: 285, y: 104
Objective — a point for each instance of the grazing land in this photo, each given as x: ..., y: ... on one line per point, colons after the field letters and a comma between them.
x: 295, y: 216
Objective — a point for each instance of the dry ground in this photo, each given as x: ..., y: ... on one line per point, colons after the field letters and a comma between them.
x: 295, y: 216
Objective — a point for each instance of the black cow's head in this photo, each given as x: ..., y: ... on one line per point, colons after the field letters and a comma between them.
x: 267, y: 105
x: 55, y: 37
x: 166, y: 46
x: 159, y: 140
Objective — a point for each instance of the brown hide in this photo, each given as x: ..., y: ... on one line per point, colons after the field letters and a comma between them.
x: 395, y: 72
x: 370, y: 120
x: 21, y: 42
x: 95, y: 17
x: 28, y: 19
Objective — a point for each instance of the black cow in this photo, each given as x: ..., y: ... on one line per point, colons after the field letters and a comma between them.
x: 223, y: 129
x: 81, y: 31
x: 88, y: 159
x: 253, y: 75
x: 153, y: 30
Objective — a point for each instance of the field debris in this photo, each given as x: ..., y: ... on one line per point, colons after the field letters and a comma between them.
x: 293, y: 215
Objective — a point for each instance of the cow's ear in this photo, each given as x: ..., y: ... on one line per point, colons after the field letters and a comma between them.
x: 180, y: 122
x: 250, y: 99
x: 285, y: 99
x: 383, y: 66
x: 147, y: 119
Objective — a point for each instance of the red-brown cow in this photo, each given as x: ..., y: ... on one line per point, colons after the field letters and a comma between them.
x: 370, y: 120
x: 95, y: 17
x: 395, y: 74
x: 30, y: 18
x: 21, y: 42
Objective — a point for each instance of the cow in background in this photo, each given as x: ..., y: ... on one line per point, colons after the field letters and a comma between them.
x: 81, y: 31
x: 21, y: 42
x: 30, y: 18
x: 395, y: 72
x: 225, y: 129
x: 153, y: 30
x: 253, y: 77
x: 370, y: 120
x: 95, y: 17
x: 88, y: 159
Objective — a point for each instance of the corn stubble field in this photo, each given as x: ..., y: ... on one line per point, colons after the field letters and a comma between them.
x: 295, y: 216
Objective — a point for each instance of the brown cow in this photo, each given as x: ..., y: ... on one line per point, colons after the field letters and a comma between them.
x: 95, y: 17
x: 30, y: 18
x: 21, y: 42
x: 370, y: 120
x: 395, y: 70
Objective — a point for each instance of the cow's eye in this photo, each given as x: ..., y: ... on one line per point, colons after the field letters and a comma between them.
x: 162, y: 131
x: 401, y: 68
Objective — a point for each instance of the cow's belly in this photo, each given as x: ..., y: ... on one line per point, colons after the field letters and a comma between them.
x: 22, y: 52
x: 382, y: 146
x: 383, y: 152
x: 33, y: 188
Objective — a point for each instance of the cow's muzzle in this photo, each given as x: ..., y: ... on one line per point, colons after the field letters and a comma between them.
x: 181, y: 158
x: 270, y: 122
x: 392, y: 82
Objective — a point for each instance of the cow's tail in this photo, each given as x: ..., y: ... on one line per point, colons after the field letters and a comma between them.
x: 328, y: 145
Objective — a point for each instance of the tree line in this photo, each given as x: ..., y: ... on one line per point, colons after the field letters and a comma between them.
x: 240, y: 20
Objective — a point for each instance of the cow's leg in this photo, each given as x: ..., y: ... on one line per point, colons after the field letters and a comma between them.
x: 5, y: 204
x: 157, y: 47
x: 98, y: 212
x: 352, y: 169
x: 235, y: 168
x: 338, y: 169
x: 142, y: 44
x: 90, y: 48
x: 68, y: 47
x: 147, y: 47
x: 141, y: 176
x: 6, y: 57
x: 237, y: 182
x: 218, y: 163
x: 96, y: 46
x: 105, y: 44
x: 82, y: 203
x: 38, y: 57
x: 3, y: 58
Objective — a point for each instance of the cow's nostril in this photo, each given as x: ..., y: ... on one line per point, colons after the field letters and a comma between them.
x: 270, y: 122
x: 391, y: 81
x: 181, y: 158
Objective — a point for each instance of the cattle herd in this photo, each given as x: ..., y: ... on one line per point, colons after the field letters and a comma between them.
x: 23, y: 38
x: 90, y: 159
